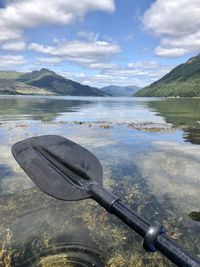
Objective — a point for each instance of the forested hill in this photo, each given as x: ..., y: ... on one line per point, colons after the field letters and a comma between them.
x: 182, y: 81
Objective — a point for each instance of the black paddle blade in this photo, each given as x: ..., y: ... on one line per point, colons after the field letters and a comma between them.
x: 60, y: 167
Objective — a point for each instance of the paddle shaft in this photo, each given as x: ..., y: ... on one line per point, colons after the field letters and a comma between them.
x: 153, y: 239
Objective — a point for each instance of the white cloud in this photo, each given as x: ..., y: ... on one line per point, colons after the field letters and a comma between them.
x: 10, y: 61
x: 48, y: 60
x: 144, y: 64
x: 90, y: 36
x: 90, y: 54
x: 177, y: 24
x: 170, y: 52
x: 41, y: 48
x: 9, y: 34
x: 147, y: 71
x: 102, y: 66
x: 14, y: 46
x: 19, y: 15
x: 136, y: 73
x: 57, y: 60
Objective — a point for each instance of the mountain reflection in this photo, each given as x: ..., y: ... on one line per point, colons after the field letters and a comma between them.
x: 183, y: 113
x: 44, y: 109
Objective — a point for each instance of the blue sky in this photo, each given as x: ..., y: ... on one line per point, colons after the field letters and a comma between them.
x: 99, y: 42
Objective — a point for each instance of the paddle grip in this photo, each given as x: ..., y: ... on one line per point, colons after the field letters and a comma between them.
x: 155, y: 237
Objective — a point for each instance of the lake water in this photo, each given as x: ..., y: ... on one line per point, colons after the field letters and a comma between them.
x: 150, y: 153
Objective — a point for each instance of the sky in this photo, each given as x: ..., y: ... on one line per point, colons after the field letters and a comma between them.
x: 101, y: 42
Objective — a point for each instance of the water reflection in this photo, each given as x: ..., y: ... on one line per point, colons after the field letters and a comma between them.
x: 35, y: 108
x: 76, y: 109
x: 153, y: 171
x: 192, y: 135
x: 183, y: 113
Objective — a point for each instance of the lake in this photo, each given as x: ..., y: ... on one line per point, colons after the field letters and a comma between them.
x: 150, y: 153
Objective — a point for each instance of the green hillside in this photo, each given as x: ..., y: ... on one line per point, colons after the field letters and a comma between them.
x: 10, y: 75
x: 182, y: 81
x: 43, y: 82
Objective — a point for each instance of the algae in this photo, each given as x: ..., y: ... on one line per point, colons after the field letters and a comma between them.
x: 144, y: 163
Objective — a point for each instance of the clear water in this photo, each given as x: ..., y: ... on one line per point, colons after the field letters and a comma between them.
x: 149, y: 150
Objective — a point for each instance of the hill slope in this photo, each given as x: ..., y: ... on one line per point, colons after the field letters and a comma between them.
x: 183, y: 81
x: 10, y: 75
x: 57, y: 84
x: 44, y: 82
x: 8, y: 87
x: 120, y: 91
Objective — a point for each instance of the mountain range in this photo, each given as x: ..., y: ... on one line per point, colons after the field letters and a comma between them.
x: 43, y: 82
x: 120, y: 91
x: 182, y: 81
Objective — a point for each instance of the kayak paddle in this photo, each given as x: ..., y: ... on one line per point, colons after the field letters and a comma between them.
x: 67, y: 171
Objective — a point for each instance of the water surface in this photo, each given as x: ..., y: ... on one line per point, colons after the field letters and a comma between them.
x: 149, y: 150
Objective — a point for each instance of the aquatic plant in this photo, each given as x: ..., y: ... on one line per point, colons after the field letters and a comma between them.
x: 38, y: 223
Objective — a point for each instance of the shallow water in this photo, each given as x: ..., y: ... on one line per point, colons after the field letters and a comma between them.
x: 149, y: 150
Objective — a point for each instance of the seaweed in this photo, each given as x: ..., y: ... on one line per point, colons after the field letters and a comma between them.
x: 35, y: 228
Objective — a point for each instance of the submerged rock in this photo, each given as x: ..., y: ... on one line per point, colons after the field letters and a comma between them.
x: 195, y: 216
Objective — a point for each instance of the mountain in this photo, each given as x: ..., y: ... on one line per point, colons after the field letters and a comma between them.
x: 44, y: 82
x: 10, y: 75
x: 34, y: 75
x: 182, y: 81
x: 120, y: 91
